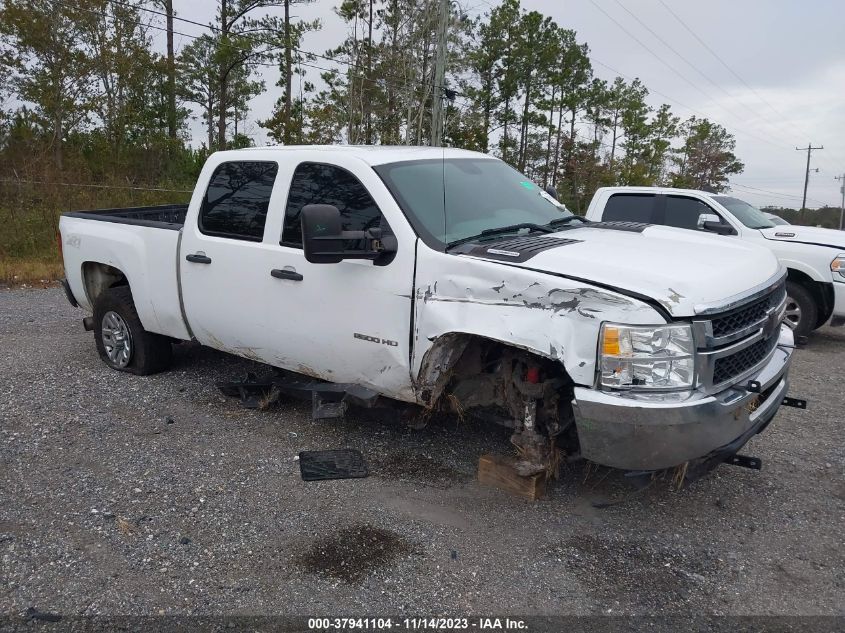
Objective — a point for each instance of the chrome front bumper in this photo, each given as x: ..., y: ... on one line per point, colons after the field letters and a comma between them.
x: 636, y: 432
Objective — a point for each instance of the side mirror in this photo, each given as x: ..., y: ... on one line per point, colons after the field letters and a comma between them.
x: 713, y: 223
x: 551, y: 191
x: 321, y: 234
x: 325, y: 242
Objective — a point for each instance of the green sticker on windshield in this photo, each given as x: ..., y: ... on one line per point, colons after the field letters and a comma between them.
x: 527, y: 184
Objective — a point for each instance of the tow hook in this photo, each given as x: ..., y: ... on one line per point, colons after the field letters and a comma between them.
x: 797, y: 403
x: 755, y: 387
x: 754, y: 463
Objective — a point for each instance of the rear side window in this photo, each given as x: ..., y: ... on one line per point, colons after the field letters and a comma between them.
x: 237, y: 198
x: 316, y: 183
x: 629, y: 207
x: 683, y: 212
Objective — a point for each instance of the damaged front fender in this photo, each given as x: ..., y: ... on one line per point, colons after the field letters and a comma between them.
x: 545, y: 314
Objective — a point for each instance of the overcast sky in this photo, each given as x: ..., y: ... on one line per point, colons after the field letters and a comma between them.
x: 783, y: 84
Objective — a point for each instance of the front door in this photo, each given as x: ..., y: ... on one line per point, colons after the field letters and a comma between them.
x: 347, y: 322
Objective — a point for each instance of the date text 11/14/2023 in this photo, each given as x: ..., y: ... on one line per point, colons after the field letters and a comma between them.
x: 417, y: 624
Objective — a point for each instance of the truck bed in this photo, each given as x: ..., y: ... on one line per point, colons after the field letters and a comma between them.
x: 165, y: 216
x: 142, y: 243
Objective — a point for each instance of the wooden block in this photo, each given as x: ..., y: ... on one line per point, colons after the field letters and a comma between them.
x: 499, y: 472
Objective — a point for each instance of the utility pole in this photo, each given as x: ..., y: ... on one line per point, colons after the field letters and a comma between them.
x: 288, y: 76
x: 171, y: 73
x: 809, y: 149
x: 842, y: 205
x: 439, y: 76
x: 368, y: 115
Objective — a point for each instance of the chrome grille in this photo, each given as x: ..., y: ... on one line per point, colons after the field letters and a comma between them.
x: 739, y: 319
x: 735, y: 343
x: 737, y: 364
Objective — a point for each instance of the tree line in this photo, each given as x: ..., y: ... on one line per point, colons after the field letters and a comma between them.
x: 90, y: 94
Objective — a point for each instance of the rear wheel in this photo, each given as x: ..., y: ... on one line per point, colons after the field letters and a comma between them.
x: 801, y: 309
x: 122, y: 342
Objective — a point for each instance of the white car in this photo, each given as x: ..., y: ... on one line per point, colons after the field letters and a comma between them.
x: 814, y: 257
x: 430, y: 278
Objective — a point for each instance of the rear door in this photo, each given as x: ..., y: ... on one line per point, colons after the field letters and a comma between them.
x: 223, y: 258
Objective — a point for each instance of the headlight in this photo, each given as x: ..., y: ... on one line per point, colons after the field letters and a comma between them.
x: 838, y: 266
x: 647, y: 357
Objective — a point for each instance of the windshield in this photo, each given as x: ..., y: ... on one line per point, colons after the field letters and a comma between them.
x: 480, y: 194
x: 750, y: 216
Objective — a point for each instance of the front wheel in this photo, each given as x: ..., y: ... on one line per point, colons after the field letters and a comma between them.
x: 801, y: 309
x: 122, y: 342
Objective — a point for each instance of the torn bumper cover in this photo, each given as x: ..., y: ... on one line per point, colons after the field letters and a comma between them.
x: 633, y: 432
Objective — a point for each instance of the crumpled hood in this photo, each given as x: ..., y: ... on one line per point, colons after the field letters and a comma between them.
x: 678, y: 268
x: 807, y: 235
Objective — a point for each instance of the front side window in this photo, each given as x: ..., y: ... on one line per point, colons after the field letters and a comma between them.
x: 629, y: 207
x: 318, y: 183
x: 237, y: 199
x: 683, y: 213
x: 750, y: 216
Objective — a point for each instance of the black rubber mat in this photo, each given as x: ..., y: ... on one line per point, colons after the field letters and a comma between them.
x: 342, y: 464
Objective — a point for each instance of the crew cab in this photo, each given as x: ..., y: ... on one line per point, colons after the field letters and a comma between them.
x: 813, y: 257
x: 444, y: 279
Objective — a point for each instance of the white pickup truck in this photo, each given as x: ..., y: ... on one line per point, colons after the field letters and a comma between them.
x: 444, y: 279
x: 813, y: 257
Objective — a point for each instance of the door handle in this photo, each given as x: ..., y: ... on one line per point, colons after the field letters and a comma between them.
x: 285, y: 273
x: 198, y: 258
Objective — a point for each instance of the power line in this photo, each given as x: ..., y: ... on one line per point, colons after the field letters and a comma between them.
x: 669, y: 66
x: 405, y: 80
x: 378, y: 81
x: 659, y: 38
x: 683, y: 105
x: 775, y: 193
x: 308, y: 54
x: 232, y: 45
x: 645, y: 46
x: 720, y: 60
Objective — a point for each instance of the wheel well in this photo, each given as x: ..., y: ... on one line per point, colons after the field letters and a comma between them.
x: 98, y: 277
x: 463, y: 372
x: 454, y: 353
x: 821, y: 292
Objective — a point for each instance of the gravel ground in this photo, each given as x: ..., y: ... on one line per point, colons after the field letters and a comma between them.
x: 108, y: 507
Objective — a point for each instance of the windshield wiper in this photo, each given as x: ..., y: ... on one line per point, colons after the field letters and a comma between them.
x: 487, y: 233
x: 567, y: 220
x: 516, y: 227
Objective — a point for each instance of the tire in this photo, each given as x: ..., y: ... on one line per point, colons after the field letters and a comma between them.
x: 802, y: 313
x: 126, y: 345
